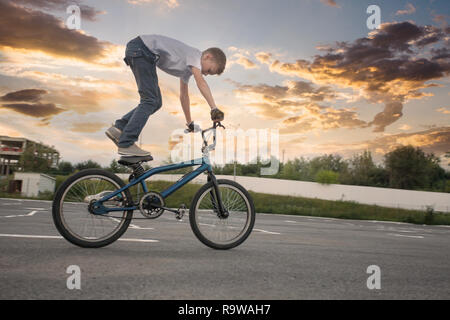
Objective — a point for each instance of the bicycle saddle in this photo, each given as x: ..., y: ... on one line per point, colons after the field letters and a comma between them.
x: 129, y: 161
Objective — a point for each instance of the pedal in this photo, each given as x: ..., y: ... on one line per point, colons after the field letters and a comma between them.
x: 180, y: 213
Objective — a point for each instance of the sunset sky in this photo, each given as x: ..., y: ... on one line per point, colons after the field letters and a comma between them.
x: 309, y: 68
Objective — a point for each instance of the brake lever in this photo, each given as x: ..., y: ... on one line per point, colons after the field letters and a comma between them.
x: 218, y: 124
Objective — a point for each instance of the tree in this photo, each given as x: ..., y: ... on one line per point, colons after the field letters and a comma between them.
x: 326, y: 162
x: 364, y: 172
x: 30, y: 162
x: 87, y: 165
x: 115, y: 167
x: 65, y: 168
x: 411, y: 168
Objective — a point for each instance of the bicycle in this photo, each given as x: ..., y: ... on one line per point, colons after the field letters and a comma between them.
x: 221, y: 214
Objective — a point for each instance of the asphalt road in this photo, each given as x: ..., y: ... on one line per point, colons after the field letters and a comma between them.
x: 286, y: 257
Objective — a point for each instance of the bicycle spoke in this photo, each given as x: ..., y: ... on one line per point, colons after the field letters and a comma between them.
x: 223, y: 230
x: 78, y: 220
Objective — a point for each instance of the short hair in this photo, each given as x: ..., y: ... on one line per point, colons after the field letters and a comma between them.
x: 219, y: 57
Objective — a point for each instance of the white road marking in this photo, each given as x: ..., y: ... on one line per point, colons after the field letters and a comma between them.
x: 39, y: 209
x: 132, y: 226
x: 138, y: 240
x: 265, y: 231
x: 30, y: 236
x: 289, y: 221
x: 20, y: 215
x: 402, y: 235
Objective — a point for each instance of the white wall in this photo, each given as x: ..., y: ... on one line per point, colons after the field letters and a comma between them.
x: 46, y: 183
x: 386, y: 197
x: 33, y: 183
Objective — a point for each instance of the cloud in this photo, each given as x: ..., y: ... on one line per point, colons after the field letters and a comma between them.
x: 57, y: 100
x: 169, y: 3
x: 278, y: 102
x: 246, y: 63
x: 440, y: 19
x: 387, y: 66
x: 24, y: 28
x: 296, y: 104
x: 263, y: 57
x: 87, y: 12
x: 322, y: 118
x: 409, y: 9
x: 31, y: 95
x: 241, y: 59
x: 443, y: 110
x: 405, y: 127
x: 88, y: 127
x: 37, y: 110
x: 331, y: 3
x: 435, y: 140
x: 80, y: 101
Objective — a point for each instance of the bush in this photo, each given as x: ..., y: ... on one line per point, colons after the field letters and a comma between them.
x: 327, y: 177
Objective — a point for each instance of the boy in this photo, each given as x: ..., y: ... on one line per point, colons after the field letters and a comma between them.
x: 143, y: 54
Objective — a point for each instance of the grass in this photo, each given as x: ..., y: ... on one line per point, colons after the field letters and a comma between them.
x: 268, y: 203
x: 277, y: 204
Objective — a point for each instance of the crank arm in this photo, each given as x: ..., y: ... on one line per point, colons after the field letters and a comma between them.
x: 167, y: 209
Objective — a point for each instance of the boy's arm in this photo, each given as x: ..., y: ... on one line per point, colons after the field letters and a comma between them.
x: 185, y: 103
x: 203, y: 87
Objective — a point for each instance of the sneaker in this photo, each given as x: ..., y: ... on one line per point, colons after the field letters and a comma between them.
x: 133, y: 150
x: 114, y: 134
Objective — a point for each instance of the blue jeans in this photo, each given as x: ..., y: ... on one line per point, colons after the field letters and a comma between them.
x: 143, y: 64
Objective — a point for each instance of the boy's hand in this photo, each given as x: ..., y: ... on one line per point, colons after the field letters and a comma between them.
x: 216, y: 115
x: 192, y: 127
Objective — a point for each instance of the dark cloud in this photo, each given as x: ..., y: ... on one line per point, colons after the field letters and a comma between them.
x: 26, y: 28
x: 389, y: 65
x: 87, y: 12
x: 37, y: 110
x: 392, y: 111
x: 31, y: 95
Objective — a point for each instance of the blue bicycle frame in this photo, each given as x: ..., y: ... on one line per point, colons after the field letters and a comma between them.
x: 100, y: 209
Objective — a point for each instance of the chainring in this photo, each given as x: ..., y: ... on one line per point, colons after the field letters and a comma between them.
x: 146, y: 208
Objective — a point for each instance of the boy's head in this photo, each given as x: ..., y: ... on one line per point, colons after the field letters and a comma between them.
x: 213, y: 61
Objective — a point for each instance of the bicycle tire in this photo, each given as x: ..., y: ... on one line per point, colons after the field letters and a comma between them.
x: 59, y: 220
x: 195, y: 223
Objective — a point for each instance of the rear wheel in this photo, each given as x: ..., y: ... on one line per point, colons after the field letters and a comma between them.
x: 72, y: 209
x: 222, y: 232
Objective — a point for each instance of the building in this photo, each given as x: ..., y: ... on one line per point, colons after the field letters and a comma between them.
x: 31, y: 184
x: 11, y: 150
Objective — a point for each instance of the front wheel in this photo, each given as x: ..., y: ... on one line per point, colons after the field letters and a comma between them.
x: 215, y: 230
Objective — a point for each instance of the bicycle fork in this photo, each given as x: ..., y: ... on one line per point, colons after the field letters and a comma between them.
x: 216, y: 198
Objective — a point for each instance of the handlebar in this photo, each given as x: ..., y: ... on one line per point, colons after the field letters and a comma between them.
x: 215, y: 125
x: 207, y: 147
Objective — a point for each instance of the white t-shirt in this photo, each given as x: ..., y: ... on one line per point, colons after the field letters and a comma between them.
x: 175, y: 57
